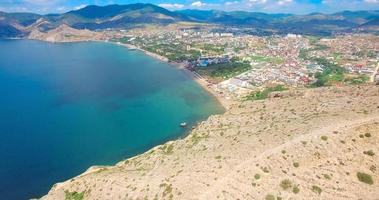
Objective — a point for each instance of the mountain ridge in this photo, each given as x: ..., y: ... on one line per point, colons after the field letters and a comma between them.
x: 127, y: 16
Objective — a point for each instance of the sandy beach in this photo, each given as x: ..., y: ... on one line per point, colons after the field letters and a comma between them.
x: 203, y: 82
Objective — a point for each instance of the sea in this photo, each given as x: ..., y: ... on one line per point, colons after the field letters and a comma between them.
x: 66, y: 107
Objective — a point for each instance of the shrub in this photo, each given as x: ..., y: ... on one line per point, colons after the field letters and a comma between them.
x: 270, y: 197
x: 365, y: 178
x: 368, y: 134
x: 286, y: 184
x: 296, y: 164
x: 316, y: 189
x: 257, y: 176
x: 326, y: 176
x: 325, y: 138
x: 295, y: 189
x: 265, y: 170
x: 369, y: 153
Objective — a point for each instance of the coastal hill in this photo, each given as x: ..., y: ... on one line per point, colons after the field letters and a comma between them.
x: 121, y: 16
x: 90, y: 17
x: 136, y: 15
x: 64, y: 33
x: 298, y: 144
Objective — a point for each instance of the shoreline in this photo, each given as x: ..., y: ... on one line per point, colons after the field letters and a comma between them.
x: 202, y: 82
x: 186, y: 133
x: 225, y: 103
x: 193, y: 165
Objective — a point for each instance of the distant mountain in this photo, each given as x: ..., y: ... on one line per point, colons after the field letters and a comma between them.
x: 374, y: 22
x: 90, y: 17
x: 106, y: 12
x: 14, y: 24
x: 358, y: 16
x: 232, y: 18
x: 133, y: 15
x: 24, y: 19
x: 370, y: 26
x: 119, y: 16
x: 9, y: 31
x: 199, y: 15
x: 312, y: 24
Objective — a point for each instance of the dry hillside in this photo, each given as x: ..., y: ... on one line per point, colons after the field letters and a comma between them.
x: 307, y: 144
x: 64, y: 33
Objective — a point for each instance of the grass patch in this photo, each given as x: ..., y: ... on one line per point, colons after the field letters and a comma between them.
x: 196, y: 138
x: 267, y: 59
x: 73, y: 195
x: 365, y: 178
x: 167, y: 189
x: 260, y: 95
x: 224, y: 71
x: 330, y: 75
x: 357, y: 79
x: 167, y: 149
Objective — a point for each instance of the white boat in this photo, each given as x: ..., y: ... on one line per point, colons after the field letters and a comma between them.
x: 183, y: 124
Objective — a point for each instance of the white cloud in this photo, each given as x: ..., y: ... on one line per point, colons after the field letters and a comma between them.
x: 61, y: 8
x: 371, y: 1
x: 198, y: 4
x: 171, y: 6
x: 258, y: 1
x: 229, y: 3
x: 41, y: 2
x: 255, y: 3
x: 284, y: 2
x: 80, y: 6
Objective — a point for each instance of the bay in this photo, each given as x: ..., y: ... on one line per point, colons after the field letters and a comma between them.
x: 66, y: 107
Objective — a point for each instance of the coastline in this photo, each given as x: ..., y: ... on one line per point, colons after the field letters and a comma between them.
x: 211, y: 156
x: 225, y: 103
x: 185, y: 134
x: 208, y: 87
x: 214, y: 155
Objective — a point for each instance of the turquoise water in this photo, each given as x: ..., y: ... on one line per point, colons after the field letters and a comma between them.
x: 66, y: 107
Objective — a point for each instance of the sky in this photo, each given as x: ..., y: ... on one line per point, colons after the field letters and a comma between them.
x: 267, y: 6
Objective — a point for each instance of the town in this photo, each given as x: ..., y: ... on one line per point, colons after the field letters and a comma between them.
x: 235, y: 63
